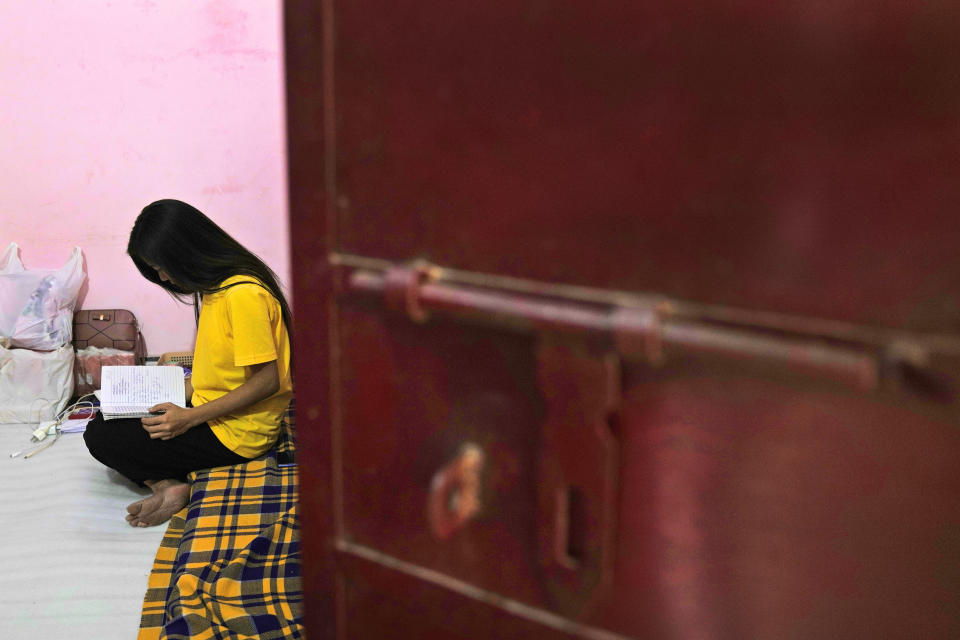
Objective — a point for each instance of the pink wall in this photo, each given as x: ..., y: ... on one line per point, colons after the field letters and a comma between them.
x: 106, y: 106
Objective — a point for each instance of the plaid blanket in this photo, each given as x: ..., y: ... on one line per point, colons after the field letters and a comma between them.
x: 229, y: 563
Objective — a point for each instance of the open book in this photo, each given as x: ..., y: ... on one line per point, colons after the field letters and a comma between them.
x: 129, y: 392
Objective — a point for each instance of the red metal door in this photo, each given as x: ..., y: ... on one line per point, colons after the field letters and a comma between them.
x: 627, y: 319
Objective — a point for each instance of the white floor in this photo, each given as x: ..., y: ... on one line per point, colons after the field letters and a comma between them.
x: 70, y: 565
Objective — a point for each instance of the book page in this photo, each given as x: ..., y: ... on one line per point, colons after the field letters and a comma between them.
x: 134, y: 389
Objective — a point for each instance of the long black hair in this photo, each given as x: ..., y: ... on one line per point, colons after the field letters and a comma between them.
x: 195, y: 253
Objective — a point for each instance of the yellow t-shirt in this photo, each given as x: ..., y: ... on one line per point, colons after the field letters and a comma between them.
x: 239, y: 327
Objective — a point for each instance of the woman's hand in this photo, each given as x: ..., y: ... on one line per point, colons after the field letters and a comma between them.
x: 263, y: 382
x: 170, y: 422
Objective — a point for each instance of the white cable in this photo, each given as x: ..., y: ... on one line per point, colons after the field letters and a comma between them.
x: 45, y: 446
x: 80, y: 404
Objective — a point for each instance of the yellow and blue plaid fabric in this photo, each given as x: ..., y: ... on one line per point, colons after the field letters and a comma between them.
x: 229, y: 563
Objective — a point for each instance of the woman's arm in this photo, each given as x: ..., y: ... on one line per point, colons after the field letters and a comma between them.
x: 264, y: 382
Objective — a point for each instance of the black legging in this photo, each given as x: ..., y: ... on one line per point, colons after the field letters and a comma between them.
x: 123, y: 444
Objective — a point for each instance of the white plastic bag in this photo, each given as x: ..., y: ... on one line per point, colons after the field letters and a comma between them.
x: 10, y: 261
x: 36, y: 305
x: 34, y: 385
x: 89, y: 362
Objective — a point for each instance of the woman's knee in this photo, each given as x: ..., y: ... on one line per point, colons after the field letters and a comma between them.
x: 97, y: 439
x: 91, y: 436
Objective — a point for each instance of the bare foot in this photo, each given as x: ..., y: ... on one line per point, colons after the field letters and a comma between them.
x: 169, y: 496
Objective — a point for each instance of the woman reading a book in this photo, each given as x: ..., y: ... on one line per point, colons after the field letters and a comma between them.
x: 241, y: 383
